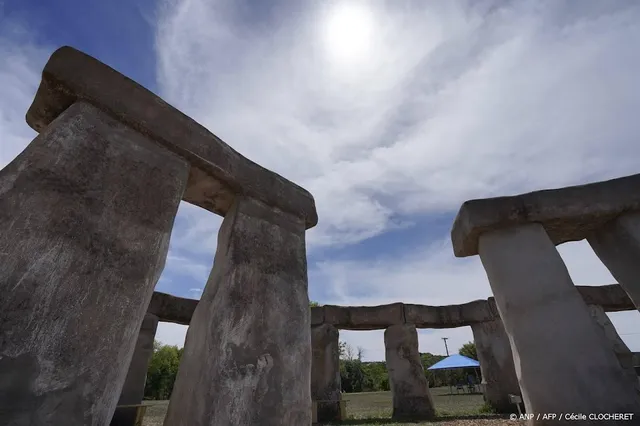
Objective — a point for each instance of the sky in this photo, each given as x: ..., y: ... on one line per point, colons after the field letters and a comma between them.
x: 391, y: 113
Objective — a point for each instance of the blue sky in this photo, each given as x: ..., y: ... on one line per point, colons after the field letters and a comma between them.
x: 392, y: 113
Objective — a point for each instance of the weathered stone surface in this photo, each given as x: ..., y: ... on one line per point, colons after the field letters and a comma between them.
x: 624, y: 355
x: 448, y: 316
x: 553, y: 338
x: 133, y: 389
x: 317, y: 315
x: 617, y: 244
x: 496, y: 363
x: 247, y: 357
x: 86, y: 212
x: 364, y: 317
x: 567, y: 214
x: 168, y: 308
x: 409, y: 386
x: 611, y: 297
x: 325, y: 372
x: 217, y: 171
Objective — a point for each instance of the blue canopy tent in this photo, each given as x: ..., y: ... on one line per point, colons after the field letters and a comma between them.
x: 456, y: 361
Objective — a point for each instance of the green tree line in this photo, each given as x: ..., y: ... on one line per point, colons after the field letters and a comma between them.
x: 356, y: 375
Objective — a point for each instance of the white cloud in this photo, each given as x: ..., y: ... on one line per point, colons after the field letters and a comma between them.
x: 460, y: 100
x: 171, y: 334
x: 22, y: 62
x: 432, y: 276
x: 457, y: 102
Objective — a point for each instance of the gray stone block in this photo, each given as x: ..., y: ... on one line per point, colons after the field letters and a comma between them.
x: 247, y: 356
x: 86, y: 212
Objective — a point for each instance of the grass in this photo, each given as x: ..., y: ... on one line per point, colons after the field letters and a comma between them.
x: 374, y: 408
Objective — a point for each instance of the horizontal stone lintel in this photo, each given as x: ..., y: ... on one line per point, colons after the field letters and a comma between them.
x: 218, y: 172
x: 567, y: 214
x: 611, y: 297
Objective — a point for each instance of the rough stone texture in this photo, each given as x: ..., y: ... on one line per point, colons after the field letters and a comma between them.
x: 217, y: 172
x: 563, y: 360
x: 317, y: 315
x: 448, y: 316
x: 611, y: 297
x: 168, y: 308
x: 247, y: 357
x: 409, y: 386
x: 133, y: 389
x: 86, y: 212
x: 325, y: 372
x: 617, y: 244
x: 567, y: 214
x: 624, y: 355
x: 496, y: 363
x: 364, y: 317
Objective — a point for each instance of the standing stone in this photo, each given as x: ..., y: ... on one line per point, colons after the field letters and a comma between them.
x: 624, y: 355
x: 86, y: 212
x: 563, y: 360
x: 499, y: 377
x: 409, y: 386
x: 133, y: 389
x: 325, y: 372
x: 617, y: 244
x: 247, y: 357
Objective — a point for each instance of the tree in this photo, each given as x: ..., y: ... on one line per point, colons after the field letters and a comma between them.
x: 434, y: 379
x: 469, y: 350
x: 313, y: 304
x: 352, y: 374
x: 162, y: 372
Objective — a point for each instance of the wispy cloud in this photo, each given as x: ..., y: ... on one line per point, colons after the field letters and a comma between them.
x: 455, y: 101
x: 22, y: 62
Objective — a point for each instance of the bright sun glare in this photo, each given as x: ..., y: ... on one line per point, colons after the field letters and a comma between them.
x: 349, y: 31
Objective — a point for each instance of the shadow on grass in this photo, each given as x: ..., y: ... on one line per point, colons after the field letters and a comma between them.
x: 441, y: 418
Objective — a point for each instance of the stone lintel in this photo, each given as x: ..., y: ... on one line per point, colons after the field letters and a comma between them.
x: 218, y: 172
x: 317, y: 315
x: 364, y: 317
x: 170, y: 308
x: 450, y: 316
x: 567, y: 214
x: 611, y: 297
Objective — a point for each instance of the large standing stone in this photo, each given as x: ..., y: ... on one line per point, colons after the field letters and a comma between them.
x: 133, y: 389
x: 247, y: 357
x: 496, y: 363
x: 563, y: 360
x: 624, y: 355
x: 617, y: 244
x: 86, y: 212
x: 325, y: 372
x: 409, y: 386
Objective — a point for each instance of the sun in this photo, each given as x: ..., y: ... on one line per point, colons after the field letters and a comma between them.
x: 349, y: 31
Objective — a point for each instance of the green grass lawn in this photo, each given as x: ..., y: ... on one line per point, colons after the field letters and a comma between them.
x: 374, y: 408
